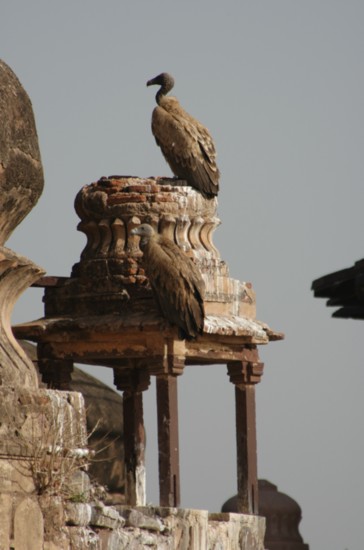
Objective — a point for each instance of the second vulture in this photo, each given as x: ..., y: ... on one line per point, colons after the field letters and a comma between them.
x: 176, y: 282
x: 185, y: 143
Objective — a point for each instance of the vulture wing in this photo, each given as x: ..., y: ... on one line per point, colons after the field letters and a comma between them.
x: 186, y: 145
x: 177, y: 285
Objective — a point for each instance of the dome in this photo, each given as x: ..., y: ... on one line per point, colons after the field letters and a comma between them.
x: 283, y: 516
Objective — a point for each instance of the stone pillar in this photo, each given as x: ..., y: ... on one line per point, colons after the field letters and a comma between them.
x: 167, y: 373
x: 168, y: 441
x: 132, y: 383
x: 244, y: 375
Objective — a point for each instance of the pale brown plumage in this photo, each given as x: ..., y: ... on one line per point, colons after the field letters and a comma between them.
x: 176, y: 282
x: 185, y: 143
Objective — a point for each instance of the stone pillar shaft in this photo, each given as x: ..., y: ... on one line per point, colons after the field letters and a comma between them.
x: 246, y: 445
x: 244, y: 375
x: 133, y: 383
x: 168, y: 444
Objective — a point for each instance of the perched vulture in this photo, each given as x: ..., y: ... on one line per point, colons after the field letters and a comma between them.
x: 186, y: 145
x: 176, y: 282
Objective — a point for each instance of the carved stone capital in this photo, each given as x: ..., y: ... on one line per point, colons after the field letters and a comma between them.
x: 135, y: 380
x: 242, y: 373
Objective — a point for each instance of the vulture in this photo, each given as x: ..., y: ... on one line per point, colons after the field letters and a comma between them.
x: 175, y: 280
x: 186, y: 144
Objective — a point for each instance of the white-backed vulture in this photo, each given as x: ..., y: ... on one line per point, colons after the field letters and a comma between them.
x: 185, y: 143
x: 176, y: 282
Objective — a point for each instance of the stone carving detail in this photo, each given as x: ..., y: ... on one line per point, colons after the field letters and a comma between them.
x: 16, y: 274
x: 21, y: 173
x: 21, y: 184
x: 111, y: 207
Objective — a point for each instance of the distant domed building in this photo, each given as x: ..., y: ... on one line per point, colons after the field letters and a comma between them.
x: 283, y: 516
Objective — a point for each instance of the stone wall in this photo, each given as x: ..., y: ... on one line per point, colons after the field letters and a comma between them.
x: 42, y: 448
x: 47, y: 501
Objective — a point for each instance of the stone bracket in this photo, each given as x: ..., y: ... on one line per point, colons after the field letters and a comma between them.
x: 248, y: 371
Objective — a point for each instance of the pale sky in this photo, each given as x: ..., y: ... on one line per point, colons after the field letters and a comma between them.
x: 280, y: 85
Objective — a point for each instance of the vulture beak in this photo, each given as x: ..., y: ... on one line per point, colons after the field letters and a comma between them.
x: 150, y: 82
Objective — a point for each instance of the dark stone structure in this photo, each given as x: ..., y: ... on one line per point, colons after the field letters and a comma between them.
x: 344, y: 290
x: 282, y: 514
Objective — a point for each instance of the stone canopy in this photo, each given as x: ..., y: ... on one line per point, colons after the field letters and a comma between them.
x: 105, y: 314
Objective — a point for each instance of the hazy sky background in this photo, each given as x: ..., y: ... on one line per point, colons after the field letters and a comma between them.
x: 280, y: 85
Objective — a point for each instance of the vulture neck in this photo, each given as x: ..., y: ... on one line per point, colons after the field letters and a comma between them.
x: 163, y: 91
x: 147, y: 240
x: 143, y: 242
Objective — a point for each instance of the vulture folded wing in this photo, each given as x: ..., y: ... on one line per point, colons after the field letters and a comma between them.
x: 177, y: 284
x: 170, y: 133
x: 186, y: 145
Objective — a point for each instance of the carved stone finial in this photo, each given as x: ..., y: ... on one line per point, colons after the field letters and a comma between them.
x: 111, y: 207
x: 21, y: 173
x: 21, y: 184
x: 110, y: 269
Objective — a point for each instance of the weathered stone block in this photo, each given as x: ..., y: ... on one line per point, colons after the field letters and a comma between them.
x: 54, y: 522
x: 16, y: 476
x: 59, y: 545
x: 79, y: 487
x: 28, y: 525
x: 114, y: 540
x: 6, y: 504
x: 135, y: 518
x: 83, y: 538
x: 77, y: 513
x: 105, y: 516
x: 41, y: 433
x: 234, y: 531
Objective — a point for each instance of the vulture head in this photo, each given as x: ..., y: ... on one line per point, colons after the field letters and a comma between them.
x: 145, y: 232
x: 166, y: 83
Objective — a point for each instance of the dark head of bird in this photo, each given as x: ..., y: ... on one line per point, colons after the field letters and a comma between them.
x: 145, y: 232
x: 166, y: 83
